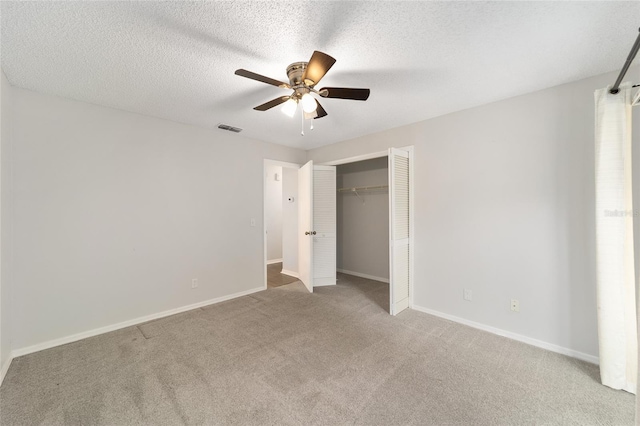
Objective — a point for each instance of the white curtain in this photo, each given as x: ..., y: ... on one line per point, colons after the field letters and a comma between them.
x: 617, y: 321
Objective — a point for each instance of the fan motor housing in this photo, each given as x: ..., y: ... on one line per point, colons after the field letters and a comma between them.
x: 295, y: 71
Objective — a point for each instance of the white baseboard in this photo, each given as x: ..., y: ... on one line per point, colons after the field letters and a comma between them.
x: 75, y: 337
x: 290, y: 273
x: 369, y: 277
x: 4, y: 368
x: 514, y: 336
x: 269, y: 262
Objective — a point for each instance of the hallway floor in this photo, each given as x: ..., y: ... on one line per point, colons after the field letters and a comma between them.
x: 275, y: 278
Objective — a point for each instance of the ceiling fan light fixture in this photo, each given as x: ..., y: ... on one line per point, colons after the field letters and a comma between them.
x: 289, y: 107
x: 309, y: 104
x: 303, y: 77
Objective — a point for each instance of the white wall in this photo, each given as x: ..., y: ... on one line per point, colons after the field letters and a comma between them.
x: 273, y: 211
x: 290, y: 220
x: 504, y: 205
x: 363, y: 228
x: 6, y: 123
x: 115, y: 213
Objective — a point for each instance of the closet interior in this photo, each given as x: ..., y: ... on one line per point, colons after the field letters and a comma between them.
x: 363, y: 219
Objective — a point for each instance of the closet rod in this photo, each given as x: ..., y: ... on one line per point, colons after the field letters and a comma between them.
x: 362, y: 188
x: 627, y: 64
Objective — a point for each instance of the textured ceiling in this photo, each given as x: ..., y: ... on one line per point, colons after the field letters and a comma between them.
x: 176, y: 60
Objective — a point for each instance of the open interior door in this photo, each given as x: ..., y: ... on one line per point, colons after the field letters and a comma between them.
x: 324, y: 225
x: 305, y: 225
x: 400, y: 249
x: 317, y: 225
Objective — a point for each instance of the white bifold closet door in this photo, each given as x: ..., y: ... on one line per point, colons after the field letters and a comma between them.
x: 317, y: 225
x: 400, y: 249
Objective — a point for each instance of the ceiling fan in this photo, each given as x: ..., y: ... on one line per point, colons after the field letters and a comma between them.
x: 303, y: 77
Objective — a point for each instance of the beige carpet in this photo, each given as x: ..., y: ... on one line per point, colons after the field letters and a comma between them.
x: 283, y: 356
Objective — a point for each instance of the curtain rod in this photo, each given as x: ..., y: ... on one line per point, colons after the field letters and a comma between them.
x: 627, y: 64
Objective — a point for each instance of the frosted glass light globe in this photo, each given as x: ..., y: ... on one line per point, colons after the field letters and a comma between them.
x: 308, y: 103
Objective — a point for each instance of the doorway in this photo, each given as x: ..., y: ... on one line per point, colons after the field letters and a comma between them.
x: 401, y: 222
x: 280, y: 223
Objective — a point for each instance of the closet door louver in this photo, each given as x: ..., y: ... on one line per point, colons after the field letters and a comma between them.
x: 324, y: 223
x: 400, y: 230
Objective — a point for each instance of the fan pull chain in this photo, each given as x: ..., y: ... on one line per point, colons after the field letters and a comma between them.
x: 311, y: 124
x: 302, y: 117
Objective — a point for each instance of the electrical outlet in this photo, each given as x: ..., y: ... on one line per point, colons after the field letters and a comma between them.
x: 467, y: 294
x: 515, y: 305
x: 194, y: 283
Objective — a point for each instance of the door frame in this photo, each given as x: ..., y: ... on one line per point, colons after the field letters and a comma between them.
x: 268, y: 162
x: 357, y: 158
x: 385, y: 153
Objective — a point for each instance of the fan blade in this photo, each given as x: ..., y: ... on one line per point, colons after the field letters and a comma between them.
x: 262, y: 78
x: 345, y: 93
x: 318, y: 66
x: 272, y: 103
x: 320, y: 111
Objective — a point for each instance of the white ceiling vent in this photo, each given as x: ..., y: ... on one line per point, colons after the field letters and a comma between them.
x: 229, y: 128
